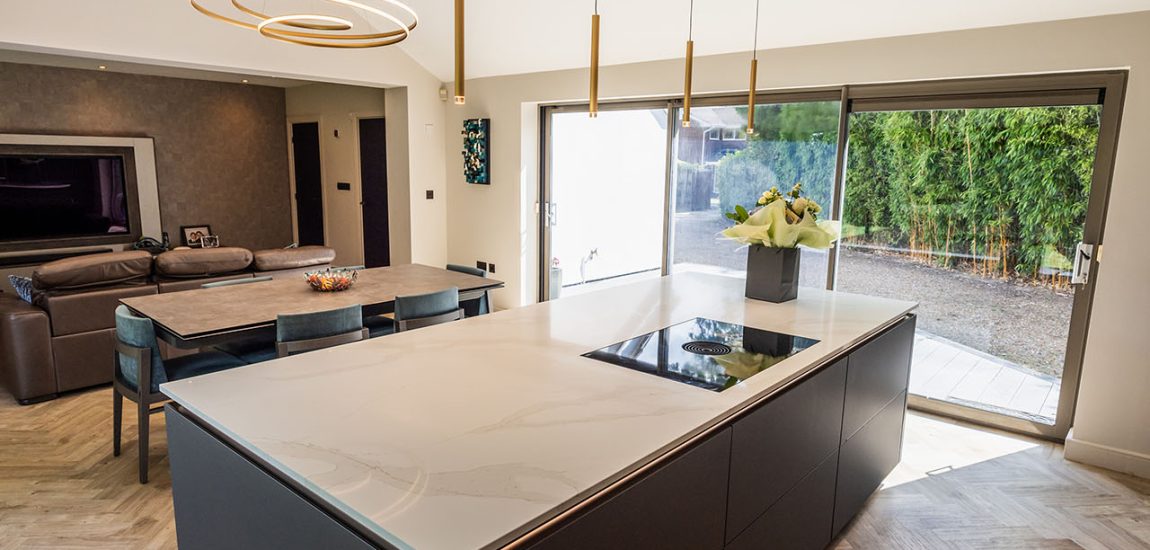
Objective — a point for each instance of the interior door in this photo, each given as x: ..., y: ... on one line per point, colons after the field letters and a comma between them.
x: 308, y: 182
x: 373, y: 180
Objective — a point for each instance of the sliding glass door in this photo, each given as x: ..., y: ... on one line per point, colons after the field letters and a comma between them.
x: 984, y: 200
x: 976, y: 214
x: 605, y: 214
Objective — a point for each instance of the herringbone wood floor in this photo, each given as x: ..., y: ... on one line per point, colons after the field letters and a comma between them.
x: 958, y: 487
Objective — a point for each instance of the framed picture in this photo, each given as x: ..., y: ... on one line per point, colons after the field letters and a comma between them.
x: 477, y: 150
x: 192, y: 234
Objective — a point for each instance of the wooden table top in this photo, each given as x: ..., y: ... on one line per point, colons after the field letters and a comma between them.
x: 197, y: 312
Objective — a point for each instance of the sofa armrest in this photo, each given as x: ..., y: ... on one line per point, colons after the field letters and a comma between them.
x: 26, y: 366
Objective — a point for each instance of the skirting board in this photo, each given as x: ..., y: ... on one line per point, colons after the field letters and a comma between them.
x: 1110, y: 458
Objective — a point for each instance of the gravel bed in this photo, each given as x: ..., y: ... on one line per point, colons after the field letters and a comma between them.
x: 1022, y: 323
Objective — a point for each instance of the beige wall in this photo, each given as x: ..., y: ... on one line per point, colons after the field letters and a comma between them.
x: 220, y: 148
x: 338, y: 108
x: 93, y: 31
x: 497, y: 223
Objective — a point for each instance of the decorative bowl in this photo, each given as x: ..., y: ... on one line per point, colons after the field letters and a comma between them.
x: 331, y: 280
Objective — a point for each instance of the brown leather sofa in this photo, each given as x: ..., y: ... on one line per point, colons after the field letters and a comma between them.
x: 63, y: 341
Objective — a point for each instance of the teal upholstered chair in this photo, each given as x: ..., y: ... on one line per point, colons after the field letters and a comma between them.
x: 297, y: 333
x: 140, y: 370
x: 255, y: 349
x: 231, y: 282
x: 480, y: 305
x: 423, y: 310
x: 376, y: 325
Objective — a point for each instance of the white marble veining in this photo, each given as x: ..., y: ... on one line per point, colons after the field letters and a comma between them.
x: 466, y: 435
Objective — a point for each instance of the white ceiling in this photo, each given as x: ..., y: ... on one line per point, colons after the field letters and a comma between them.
x: 523, y: 36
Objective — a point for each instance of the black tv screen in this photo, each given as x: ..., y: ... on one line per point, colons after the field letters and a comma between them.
x: 57, y: 197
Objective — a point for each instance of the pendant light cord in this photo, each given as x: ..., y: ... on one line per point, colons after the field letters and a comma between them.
x: 691, y: 22
x: 596, y: 7
x: 755, y: 49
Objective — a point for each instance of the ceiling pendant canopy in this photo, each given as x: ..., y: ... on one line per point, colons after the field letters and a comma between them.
x: 323, y: 30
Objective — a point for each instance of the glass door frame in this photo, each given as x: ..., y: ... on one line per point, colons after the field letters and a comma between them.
x: 1105, y: 88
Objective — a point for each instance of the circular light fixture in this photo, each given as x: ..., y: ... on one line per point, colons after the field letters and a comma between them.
x: 325, y: 31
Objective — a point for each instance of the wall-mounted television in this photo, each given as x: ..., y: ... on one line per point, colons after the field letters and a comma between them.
x: 55, y: 196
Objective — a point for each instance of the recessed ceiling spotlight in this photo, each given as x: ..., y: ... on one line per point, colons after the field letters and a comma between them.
x: 103, y: 67
x: 245, y: 81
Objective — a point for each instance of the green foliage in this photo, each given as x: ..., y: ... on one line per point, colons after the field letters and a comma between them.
x: 1008, y: 183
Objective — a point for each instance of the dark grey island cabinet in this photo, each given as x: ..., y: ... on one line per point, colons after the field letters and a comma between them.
x: 789, y: 473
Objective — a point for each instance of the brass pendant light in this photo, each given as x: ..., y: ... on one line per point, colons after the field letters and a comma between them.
x: 460, y: 97
x: 593, y: 111
x: 690, y: 60
x: 754, y: 76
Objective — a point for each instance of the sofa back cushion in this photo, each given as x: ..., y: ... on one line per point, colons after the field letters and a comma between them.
x: 93, y: 270
x: 76, y: 311
x: 203, y: 262
x: 293, y: 258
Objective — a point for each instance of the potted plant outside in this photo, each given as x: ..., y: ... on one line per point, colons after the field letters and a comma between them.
x: 774, y: 230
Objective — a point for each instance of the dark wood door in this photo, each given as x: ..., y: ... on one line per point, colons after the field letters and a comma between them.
x: 373, y: 176
x: 308, y: 182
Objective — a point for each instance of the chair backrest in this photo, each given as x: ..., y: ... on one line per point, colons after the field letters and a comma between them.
x: 467, y: 269
x: 231, y: 282
x: 138, y: 332
x: 477, y: 306
x: 296, y: 333
x: 423, y: 310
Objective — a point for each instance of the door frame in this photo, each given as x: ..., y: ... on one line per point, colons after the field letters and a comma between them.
x: 999, y: 91
x: 1108, y: 89
x: 291, y: 173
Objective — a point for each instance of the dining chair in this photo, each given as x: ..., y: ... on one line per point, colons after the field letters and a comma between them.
x: 480, y: 305
x: 254, y: 349
x: 424, y: 310
x: 231, y: 282
x: 140, y: 370
x: 376, y: 325
x: 300, y: 332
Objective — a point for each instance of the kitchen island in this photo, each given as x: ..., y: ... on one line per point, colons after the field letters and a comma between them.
x: 496, y: 431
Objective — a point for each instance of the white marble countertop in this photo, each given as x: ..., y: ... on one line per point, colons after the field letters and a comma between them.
x: 467, y: 435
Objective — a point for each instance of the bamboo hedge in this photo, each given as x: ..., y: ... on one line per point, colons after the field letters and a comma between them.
x: 1003, y: 190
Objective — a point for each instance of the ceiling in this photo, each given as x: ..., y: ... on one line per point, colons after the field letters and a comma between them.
x: 522, y: 36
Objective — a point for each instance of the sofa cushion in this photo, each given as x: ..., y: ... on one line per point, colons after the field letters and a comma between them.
x: 73, y: 312
x: 293, y: 258
x: 203, y: 262
x: 22, y: 286
x: 93, y: 270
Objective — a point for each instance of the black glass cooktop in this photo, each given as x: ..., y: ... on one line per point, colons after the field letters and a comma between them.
x: 703, y: 352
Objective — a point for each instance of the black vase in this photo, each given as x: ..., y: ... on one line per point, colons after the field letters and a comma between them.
x: 772, y: 273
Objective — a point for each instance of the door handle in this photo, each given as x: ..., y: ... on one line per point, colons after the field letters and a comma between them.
x: 1083, y: 255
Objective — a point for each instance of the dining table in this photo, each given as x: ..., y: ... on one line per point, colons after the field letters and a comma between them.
x: 209, y: 316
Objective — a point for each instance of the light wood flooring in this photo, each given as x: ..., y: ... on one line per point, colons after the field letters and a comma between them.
x: 958, y: 487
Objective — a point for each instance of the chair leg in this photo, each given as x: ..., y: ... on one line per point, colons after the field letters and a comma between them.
x: 142, y: 412
x: 117, y: 420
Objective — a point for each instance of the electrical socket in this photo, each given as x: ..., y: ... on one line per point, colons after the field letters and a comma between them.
x: 490, y: 267
x: 481, y: 265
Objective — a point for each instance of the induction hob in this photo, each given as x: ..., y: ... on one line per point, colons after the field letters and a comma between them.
x: 705, y: 353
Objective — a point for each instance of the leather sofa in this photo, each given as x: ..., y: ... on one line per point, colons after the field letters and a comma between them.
x: 63, y: 340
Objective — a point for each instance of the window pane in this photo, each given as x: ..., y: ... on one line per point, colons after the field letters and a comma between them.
x: 974, y: 214
x: 792, y: 143
x: 608, y: 179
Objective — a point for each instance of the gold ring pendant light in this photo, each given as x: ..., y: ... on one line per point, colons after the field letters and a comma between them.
x: 324, y: 31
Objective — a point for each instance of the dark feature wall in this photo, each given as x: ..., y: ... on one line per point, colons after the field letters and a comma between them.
x: 221, y: 149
